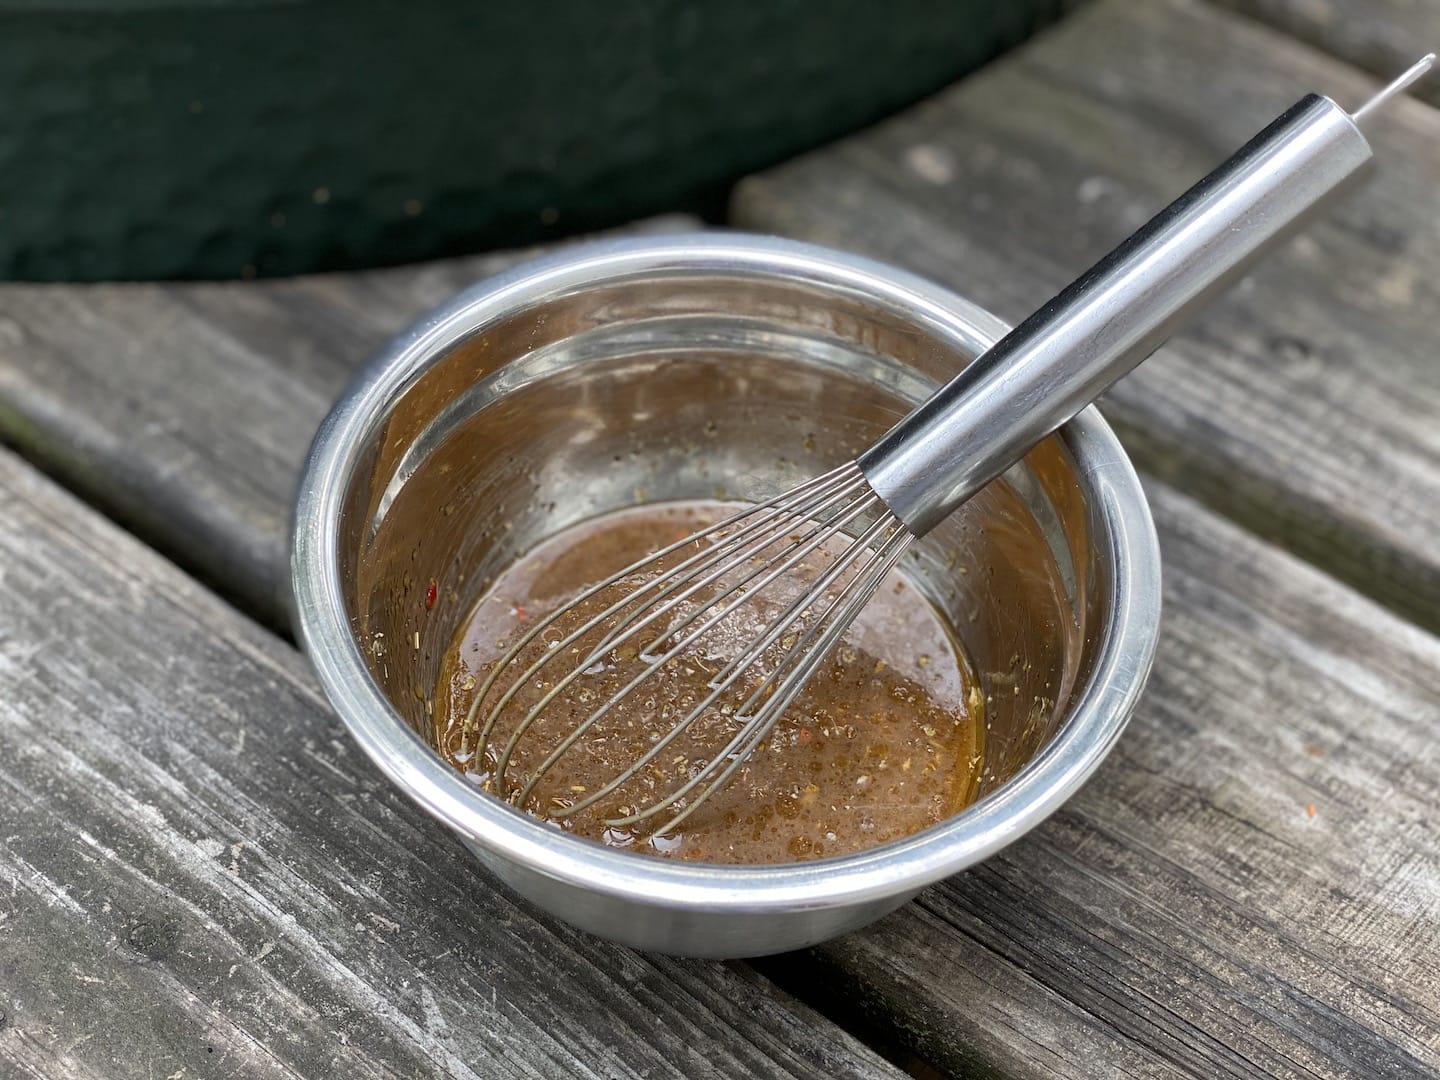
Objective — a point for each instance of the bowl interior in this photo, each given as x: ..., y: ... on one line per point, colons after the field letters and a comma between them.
x: 697, y: 383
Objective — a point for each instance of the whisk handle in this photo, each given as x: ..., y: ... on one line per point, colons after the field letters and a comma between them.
x: 1114, y: 315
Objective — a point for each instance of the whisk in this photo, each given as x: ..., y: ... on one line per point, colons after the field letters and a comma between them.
x: 1025, y: 387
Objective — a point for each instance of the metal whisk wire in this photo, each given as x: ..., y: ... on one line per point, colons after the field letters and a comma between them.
x: 744, y: 590
x: 764, y: 513
x: 718, y: 563
x: 822, y: 507
x: 799, y: 661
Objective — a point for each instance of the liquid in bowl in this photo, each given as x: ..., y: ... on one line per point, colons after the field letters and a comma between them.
x: 885, y: 741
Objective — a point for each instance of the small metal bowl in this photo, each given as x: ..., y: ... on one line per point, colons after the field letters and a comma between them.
x: 691, y: 367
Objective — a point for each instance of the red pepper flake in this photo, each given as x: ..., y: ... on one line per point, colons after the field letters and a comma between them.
x: 519, y: 611
x: 432, y: 594
x: 804, y: 734
x: 1310, y: 809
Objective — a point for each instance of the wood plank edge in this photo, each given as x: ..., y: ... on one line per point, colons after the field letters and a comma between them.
x: 1305, y: 530
x: 1312, y: 32
x: 119, y: 499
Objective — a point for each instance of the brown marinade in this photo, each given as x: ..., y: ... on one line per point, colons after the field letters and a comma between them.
x: 883, y: 742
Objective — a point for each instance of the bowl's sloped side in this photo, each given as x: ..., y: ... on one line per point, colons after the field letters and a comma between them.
x: 725, y: 931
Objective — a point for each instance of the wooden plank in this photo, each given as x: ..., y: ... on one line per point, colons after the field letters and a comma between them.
x: 200, y: 875
x: 1304, y: 404
x: 1384, y: 37
x: 1249, y: 886
x: 184, y: 410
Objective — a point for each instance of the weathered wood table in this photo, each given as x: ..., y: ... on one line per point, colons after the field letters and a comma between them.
x: 199, y: 876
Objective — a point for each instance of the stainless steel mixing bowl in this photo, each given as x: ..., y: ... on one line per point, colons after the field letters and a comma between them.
x: 691, y: 367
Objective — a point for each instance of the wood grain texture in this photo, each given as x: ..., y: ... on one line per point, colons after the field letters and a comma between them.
x: 1306, y: 404
x: 184, y: 410
x: 1184, y: 915
x: 200, y: 875
x: 1249, y: 886
x: 1384, y: 37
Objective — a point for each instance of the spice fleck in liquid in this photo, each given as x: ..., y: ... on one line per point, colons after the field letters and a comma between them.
x: 884, y: 740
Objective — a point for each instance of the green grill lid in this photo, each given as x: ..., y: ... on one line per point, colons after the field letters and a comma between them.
x: 240, y: 137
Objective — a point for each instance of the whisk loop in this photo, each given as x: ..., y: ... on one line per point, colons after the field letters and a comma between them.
x: 727, y: 574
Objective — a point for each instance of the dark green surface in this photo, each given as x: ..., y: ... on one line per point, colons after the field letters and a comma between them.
x: 144, y: 139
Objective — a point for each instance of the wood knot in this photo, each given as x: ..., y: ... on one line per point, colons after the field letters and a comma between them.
x: 1287, y: 348
x: 154, y: 935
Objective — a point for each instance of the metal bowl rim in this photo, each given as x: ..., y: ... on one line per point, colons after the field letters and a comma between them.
x: 901, y: 867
